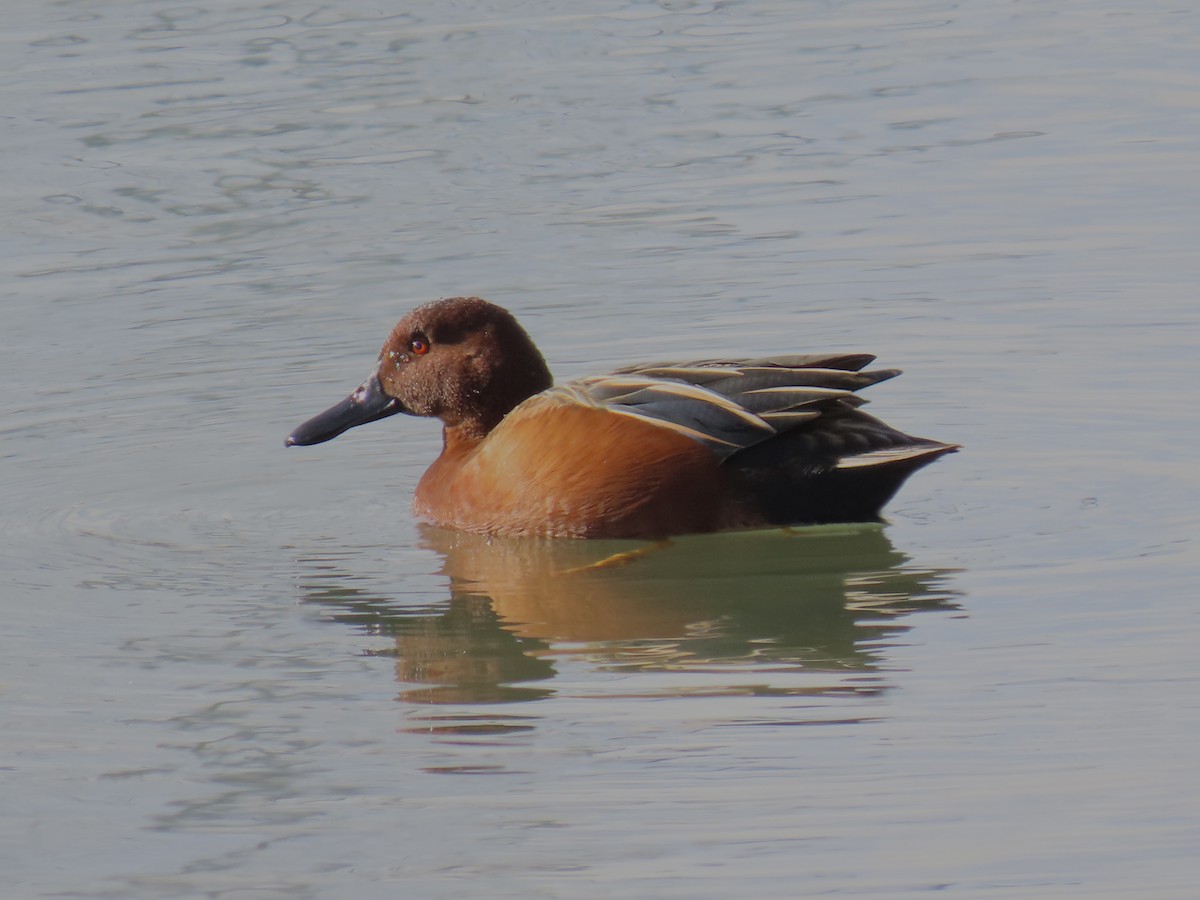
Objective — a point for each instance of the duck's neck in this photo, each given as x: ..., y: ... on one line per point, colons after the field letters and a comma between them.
x: 482, y: 409
x: 459, y: 440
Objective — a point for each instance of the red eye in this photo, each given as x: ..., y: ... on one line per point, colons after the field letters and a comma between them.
x: 419, y: 345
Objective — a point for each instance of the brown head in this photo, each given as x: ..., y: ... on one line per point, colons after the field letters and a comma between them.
x: 463, y: 360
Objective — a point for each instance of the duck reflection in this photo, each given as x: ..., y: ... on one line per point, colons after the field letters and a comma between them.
x: 745, y: 607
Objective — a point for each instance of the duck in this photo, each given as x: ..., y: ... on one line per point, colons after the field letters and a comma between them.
x: 650, y: 451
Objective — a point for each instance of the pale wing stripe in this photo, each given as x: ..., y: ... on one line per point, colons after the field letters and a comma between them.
x: 848, y: 361
x: 708, y: 373
x: 892, y: 454
x: 691, y: 392
x: 569, y: 393
x: 779, y: 373
x: 703, y: 436
x: 631, y: 384
x: 845, y: 362
x: 820, y: 392
x: 790, y: 416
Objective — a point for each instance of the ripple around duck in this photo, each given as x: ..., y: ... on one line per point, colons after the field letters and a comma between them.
x: 147, y: 548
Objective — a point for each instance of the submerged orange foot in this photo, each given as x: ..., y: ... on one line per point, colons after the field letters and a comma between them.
x: 618, y: 560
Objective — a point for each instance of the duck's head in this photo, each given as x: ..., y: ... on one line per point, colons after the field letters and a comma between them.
x: 463, y: 360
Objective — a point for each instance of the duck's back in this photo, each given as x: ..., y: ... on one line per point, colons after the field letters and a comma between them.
x: 794, y: 446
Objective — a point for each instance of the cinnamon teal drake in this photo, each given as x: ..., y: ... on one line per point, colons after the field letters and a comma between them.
x: 649, y: 451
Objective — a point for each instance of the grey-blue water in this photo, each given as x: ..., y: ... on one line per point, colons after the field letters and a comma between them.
x: 230, y: 670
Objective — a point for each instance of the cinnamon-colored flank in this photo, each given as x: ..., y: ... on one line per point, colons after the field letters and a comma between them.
x: 650, y: 451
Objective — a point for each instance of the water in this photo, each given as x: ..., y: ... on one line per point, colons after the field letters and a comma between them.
x: 236, y: 671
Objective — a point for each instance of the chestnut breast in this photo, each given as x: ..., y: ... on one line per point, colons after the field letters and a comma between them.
x: 558, y: 469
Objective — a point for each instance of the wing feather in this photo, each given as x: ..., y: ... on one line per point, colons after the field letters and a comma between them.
x: 730, y: 405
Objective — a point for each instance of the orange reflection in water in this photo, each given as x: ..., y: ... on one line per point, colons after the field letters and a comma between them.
x: 818, y: 600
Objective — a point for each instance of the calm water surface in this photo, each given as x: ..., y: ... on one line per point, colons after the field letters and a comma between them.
x: 235, y: 671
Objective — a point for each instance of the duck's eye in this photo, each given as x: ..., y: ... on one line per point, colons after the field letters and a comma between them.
x: 419, y: 344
